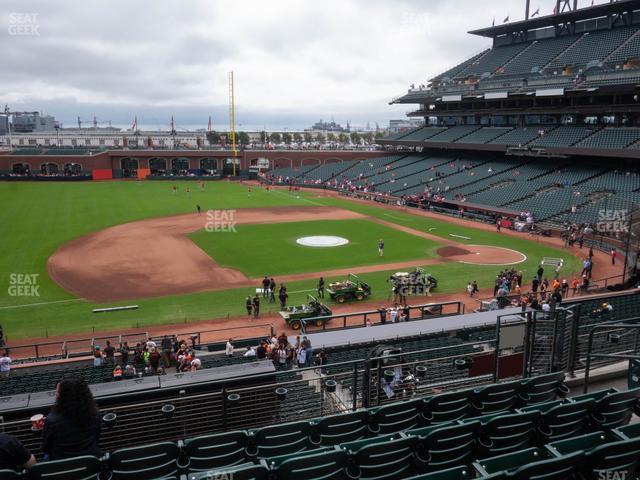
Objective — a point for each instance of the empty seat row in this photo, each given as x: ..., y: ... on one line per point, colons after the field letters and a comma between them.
x: 386, y: 443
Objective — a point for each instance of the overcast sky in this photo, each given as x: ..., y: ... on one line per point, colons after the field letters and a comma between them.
x: 295, y: 61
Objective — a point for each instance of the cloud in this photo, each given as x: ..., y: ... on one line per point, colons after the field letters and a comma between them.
x: 293, y: 60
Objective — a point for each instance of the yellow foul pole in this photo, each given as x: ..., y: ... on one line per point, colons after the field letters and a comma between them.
x: 232, y: 122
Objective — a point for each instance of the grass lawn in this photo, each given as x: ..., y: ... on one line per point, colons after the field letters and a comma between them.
x: 271, y: 249
x: 39, y: 217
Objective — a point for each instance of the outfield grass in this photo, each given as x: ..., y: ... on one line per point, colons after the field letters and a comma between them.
x: 39, y: 217
x: 271, y: 249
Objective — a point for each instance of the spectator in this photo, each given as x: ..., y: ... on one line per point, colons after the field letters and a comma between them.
x: 393, y: 314
x: 5, y: 364
x: 167, y: 350
x: 196, y: 365
x: 13, y: 454
x: 98, y: 359
x: 229, y: 349
x: 154, y: 360
x: 124, y: 353
x: 109, y: 353
x: 73, y: 426
x: 383, y: 315
x: 117, y: 373
x: 129, y: 372
x: 306, y: 344
x: 250, y: 353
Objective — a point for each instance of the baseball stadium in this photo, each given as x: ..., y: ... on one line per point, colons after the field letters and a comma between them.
x: 456, y: 302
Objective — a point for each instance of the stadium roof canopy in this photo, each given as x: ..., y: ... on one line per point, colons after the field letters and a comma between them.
x: 603, y: 10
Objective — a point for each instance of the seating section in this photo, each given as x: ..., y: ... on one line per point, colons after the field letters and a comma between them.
x: 564, y: 136
x: 491, y: 61
x: 497, y: 430
x: 538, y: 55
x: 593, y: 46
x: 611, y: 138
x: 454, y: 133
x: 627, y: 51
x: 484, y: 135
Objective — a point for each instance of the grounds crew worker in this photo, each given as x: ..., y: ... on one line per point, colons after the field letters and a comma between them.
x: 256, y: 306
x: 321, y: 288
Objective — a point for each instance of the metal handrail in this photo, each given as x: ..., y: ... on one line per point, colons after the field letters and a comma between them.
x: 613, y: 326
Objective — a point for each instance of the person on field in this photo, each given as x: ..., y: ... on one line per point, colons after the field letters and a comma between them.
x: 282, y: 296
x: 614, y: 254
x: 321, y: 288
x: 198, y: 209
x: 256, y: 306
x: 381, y: 247
x: 265, y: 286
x: 249, y: 305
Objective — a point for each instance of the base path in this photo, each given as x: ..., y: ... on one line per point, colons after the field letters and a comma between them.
x: 155, y: 258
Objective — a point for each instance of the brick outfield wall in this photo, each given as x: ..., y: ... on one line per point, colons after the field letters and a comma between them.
x: 112, y: 159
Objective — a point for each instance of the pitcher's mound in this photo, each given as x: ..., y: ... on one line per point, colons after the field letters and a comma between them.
x: 452, y: 251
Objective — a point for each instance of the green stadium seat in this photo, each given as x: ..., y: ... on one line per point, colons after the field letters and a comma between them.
x: 450, y: 446
x: 280, y: 439
x: 327, y: 465
x: 507, y: 433
x: 543, y: 388
x: 397, y: 417
x: 218, y: 450
x: 336, y: 429
x: 622, y: 457
x: 447, y: 407
x: 455, y: 473
x: 154, y: 461
x: 495, y: 398
x: 615, y: 408
x: 385, y: 460
x: 85, y: 467
x: 628, y: 431
x: 579, y: 443
x: 10, y: 475
x: 247, y: 471
x: 564, y: 420
x: 531, y: 464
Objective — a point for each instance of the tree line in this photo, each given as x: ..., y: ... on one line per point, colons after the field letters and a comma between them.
x: 242, y: 138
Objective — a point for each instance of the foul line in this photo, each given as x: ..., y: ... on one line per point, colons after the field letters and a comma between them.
x: 300, y: 198
x: 459, y: 236
x: 26, y: 305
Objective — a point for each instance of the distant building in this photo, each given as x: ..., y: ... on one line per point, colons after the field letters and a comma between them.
x: 32, y: 122
x: 330, y: 127
x: 397, y: 126
x: 4, y: 125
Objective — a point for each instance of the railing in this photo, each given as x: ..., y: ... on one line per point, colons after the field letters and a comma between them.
x: 308, y: 393
x: 65, y: 349
x: 612, y: 337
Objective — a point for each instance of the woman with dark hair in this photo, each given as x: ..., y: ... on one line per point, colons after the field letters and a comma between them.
x: 73, y: 426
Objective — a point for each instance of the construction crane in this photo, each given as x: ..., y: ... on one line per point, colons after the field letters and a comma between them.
x: 94, y: 122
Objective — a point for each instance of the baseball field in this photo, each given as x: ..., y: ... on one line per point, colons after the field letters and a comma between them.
x: 71, y: 247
